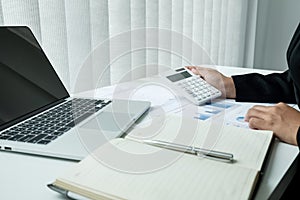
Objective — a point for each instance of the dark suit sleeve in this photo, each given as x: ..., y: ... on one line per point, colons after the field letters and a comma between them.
x: 293, y: 58
x: 294, y: 68
x: 272, y: 88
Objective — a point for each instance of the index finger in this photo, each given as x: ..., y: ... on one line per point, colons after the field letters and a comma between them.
x: 257, y: 111
x: 195, y: 69
x: 260, y: 107
x: 260, y: 124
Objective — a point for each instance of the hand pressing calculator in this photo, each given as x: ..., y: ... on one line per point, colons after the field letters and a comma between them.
x: 192, y: 86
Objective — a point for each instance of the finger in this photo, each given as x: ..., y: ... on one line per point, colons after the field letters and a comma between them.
x: 271, y: 110
x: 261, y: 108
x: 259, y: 111
x: 196, y: 70
x: 260, y: 124
x: 190, y: 67
x: 193, y: 69
x: 253, y: 112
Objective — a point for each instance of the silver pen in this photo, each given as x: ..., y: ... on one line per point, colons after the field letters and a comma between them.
x: 217, y: 155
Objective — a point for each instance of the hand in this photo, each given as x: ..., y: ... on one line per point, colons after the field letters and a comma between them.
x: 223, y: 83
x: 282, y: 119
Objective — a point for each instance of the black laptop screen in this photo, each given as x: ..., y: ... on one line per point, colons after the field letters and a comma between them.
x: 28, y: 82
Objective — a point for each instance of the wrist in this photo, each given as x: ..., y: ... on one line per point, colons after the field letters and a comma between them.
x: 230, y: 88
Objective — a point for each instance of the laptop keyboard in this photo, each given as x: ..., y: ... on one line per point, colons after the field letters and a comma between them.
x: 48, y: 126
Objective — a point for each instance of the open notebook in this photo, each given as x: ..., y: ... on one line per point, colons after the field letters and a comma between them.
x: 127, y: 169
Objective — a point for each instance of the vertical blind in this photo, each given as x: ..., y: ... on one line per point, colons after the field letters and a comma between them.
x: 71, y: 30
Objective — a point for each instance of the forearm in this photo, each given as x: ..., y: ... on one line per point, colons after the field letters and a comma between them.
x: 272, y: 88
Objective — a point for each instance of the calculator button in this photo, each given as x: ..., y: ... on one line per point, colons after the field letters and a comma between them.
x: 198, y: 89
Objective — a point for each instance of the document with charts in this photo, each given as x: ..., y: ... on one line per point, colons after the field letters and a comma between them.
x: 125, y: 168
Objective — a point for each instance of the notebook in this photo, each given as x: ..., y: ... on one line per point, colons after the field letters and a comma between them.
x: 139, y: 171
x: 37, y: 114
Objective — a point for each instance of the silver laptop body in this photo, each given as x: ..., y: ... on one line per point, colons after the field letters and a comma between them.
x: 38, y: 116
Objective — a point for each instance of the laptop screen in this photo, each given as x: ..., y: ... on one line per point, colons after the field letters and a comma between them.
x: 28, y: 82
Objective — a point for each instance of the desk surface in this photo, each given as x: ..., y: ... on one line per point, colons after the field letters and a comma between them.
x: 25, y: 177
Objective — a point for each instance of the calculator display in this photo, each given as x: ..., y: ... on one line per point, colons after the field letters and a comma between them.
x: 179, y: 76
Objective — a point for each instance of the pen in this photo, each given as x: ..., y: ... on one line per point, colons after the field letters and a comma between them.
x: 228, y: 157
x: 67, y: 194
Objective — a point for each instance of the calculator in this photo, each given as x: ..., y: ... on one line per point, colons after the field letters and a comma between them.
x: 191, y: 86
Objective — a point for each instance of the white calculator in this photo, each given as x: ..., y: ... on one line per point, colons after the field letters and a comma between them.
x: 192, y: 86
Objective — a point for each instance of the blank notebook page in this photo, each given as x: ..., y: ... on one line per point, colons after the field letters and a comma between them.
x: 187, y: 177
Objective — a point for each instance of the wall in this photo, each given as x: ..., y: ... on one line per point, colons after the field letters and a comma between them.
x: 276, y: 23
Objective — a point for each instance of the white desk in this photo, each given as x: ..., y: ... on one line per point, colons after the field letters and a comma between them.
x: 25, y: 176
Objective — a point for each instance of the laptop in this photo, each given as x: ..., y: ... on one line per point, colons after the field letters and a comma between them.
x: 37, y: 114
